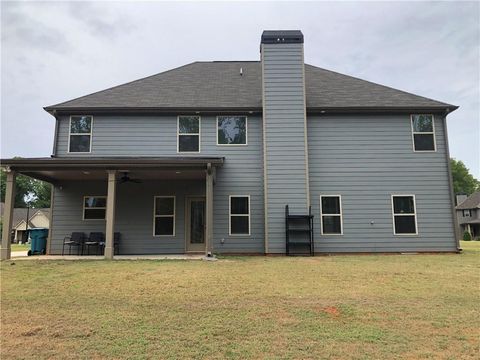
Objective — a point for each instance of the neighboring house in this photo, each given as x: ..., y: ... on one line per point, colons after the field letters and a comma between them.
x: 205, y: 157
x: 36, y: 218
x: 468, y: 214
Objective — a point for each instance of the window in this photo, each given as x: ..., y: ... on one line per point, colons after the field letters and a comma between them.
x: 80, y: 138
x: 231, y: 130
x: 164, y: 216
x: 404, y: 215
x: 331, y: 215
x: 423, y: 130
x: 94, y: 207
x: 466, y: 213
x: 239, y: 215
x: 188, y: 134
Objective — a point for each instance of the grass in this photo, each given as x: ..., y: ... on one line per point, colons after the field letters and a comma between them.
x: 340, y: 307
x: 20, y: 247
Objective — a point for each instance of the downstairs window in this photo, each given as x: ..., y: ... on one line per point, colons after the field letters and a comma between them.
x: 239, y: 215
x: 164, y: 216
x: 331, y: 215
x: 404, y: 215
x: 94, y: 207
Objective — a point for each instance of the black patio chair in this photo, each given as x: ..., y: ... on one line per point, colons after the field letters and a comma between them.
x: 116, y: 243
x: 96, y: 239
x: 76, y: 239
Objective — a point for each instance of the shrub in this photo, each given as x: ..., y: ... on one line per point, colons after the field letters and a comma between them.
x: 467, y: 236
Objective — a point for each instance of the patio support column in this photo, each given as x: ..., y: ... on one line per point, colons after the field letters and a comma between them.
x: 209, y: 209
x: 110, y: 216
x: 5, y: 250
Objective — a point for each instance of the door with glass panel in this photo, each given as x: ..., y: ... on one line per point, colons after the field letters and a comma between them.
x: 195, y: 223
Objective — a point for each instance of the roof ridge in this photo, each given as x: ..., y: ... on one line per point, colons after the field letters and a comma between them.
x: 385, y: 86
x: 47, y: 108
x: 230, y: 61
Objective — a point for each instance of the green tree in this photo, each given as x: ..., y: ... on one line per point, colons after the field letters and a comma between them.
x: 28, y: 191
x: 463, y: 181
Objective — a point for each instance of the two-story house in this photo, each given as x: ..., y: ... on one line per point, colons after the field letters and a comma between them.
x: 205, y: 157
x: 468, y: 214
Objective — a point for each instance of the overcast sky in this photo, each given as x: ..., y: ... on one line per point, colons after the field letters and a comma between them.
x: 55, y: 51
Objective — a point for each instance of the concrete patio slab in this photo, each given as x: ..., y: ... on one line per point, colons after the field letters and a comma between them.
x: 117, y: 257
x: 18, y: 254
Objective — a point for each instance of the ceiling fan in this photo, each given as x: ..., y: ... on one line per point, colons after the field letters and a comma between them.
x: 125, y: 178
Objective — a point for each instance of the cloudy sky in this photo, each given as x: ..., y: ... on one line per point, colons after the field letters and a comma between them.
x: 55, y: 51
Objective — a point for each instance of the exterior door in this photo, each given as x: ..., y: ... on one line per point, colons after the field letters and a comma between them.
x: 195, y: 224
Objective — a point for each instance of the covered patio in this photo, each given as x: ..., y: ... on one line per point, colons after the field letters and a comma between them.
x: 151, y: 173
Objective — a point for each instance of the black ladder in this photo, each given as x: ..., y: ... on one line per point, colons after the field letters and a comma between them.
x: 299, y: 233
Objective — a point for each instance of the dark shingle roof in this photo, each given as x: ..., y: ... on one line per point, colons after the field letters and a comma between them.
x: 20, y: 214
x: 472, y: 202
x: 219, y: 85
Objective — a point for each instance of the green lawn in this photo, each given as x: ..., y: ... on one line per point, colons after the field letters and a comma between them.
x: 22, y: 247
x: 338, y: 307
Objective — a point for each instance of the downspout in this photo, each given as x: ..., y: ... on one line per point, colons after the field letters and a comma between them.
x: 26, y: 224
x: 55, y: 134
x: 450, y: 183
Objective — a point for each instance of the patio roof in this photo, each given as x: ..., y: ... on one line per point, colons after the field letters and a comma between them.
x: 88, y: 168
x: 471, y: 222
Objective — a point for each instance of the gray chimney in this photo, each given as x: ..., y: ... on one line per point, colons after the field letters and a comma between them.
x: 284, y: 131
x: 460, y: 198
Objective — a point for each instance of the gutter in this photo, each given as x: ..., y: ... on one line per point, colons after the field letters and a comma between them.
x: 247, y: 110
x: 135, y: 162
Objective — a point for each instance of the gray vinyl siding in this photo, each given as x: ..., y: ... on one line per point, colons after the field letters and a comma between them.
x: 284, y: 117
x: 366, y: 159
x: 242, y: 174
x: 133, y: 214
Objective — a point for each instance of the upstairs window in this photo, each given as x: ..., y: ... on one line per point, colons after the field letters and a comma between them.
x: 423, y: 130
x: 164, y: 216
x: 231, y: 130
x: 239, y: 215
x: 80, y: 134
x: 188, y: 134
x: 404, y: 215
x: 466, y: 213
x: 94, y: 207
x: 331, y: 215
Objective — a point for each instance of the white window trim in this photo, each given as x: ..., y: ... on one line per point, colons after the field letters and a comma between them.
x: 409, y: 214
x: 102, y: 207
x: 246, y: 130
x: 322, y: 215
x: 155, y: 215
x: 196, y: 134
x: 424, y: 133
x: 70, y: 134
x: 466, y: 211
x: 230, y: 215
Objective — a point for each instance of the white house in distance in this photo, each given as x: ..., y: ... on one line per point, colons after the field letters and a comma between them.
x: 37, y: 218
x: 468, y: 214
